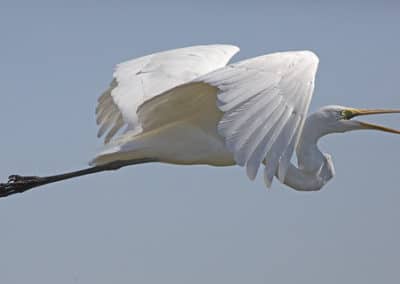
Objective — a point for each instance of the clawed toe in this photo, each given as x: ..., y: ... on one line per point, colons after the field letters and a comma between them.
x: 18, y: 178
x: 13, y: 178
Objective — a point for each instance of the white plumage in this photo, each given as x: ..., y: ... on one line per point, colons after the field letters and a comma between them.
x: 140, y: 79
x: 186, y: 106
x: 265, y: 102
x: 183, y: 106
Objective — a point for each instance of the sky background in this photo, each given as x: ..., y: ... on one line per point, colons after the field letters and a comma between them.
x: 175, y: 224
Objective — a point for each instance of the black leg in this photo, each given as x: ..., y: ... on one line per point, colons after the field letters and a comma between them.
x: 19, y: 184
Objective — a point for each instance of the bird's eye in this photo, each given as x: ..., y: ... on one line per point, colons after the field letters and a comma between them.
x: 346, y: 114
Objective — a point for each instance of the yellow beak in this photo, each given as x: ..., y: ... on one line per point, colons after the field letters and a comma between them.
x: 350, y: 113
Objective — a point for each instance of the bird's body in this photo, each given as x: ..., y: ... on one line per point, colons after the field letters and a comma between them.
x: 219, y: 115
x: 187, y: 106
x: 190, y: 138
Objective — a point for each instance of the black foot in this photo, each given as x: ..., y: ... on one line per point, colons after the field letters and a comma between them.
x: 18, y: 184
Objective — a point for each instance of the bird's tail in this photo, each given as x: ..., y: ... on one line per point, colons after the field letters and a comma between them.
x: 125, y: 148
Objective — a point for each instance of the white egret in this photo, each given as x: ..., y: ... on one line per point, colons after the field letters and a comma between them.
x: 186, y: 106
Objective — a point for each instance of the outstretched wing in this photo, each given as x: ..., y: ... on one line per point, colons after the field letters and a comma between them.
x: 140, y: 79
x: 264, y: 101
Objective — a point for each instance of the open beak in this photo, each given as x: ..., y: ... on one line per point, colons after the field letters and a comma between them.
x: 358, y: 112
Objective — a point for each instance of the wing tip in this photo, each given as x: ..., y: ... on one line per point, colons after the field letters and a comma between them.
x: 231, y: 49
x: 268, y: 181
x: 310, y: 56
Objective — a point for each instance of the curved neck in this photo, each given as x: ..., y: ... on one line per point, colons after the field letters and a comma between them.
x: 314, y: 168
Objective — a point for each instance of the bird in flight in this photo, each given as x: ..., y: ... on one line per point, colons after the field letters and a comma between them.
x: 189, y: 106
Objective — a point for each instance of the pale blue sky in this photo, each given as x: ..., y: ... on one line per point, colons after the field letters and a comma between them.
x: 173, y: 224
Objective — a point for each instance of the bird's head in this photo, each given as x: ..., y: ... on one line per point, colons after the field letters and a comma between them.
x: 340, y: 119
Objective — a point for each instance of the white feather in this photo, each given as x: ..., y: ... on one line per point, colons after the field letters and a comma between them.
x: 282, y: 86
x: 139, y: 80
x: 248, y: 113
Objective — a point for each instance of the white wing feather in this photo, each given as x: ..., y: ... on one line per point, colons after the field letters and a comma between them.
x: 265, y: 101
x: 260, y: 103
x: 138, y: 80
